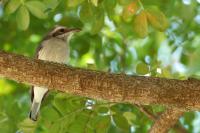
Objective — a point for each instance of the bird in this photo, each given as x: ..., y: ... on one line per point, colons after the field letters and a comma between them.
x: 55, y: 48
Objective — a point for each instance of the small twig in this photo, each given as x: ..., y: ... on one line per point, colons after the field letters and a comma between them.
x: 147, y: 112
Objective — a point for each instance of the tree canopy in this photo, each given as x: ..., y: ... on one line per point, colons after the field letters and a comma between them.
x: 159, y: 38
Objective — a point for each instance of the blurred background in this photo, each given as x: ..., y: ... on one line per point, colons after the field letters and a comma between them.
x: 159, y: 38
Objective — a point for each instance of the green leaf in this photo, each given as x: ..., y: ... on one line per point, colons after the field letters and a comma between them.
x: 109, y: 6
x: 50, y: 5
x: 102, y: 110
x: 55, y: 127
x: 129, y: 11
x: 71, y: 102
x: 140, y: 24
x: 194, y: 63
x: 142, y: 68
x: 124, y: 2
x: 130, y: 116
x: 73, y: 3
x: 61, y: 125
x: 102, y: 123
x: 3, y: 117
x: 80, y: 124
x: 22, y: 18
x: 86, y: 12
x: 27, y: 126
x: 157, y: 18
x: 37, y: 8
x: 94, y: 2
x: 60, y: 103
x: 121, y: 122
x: 98, y: 21
x: 12, y: 6
x: 49, y: 111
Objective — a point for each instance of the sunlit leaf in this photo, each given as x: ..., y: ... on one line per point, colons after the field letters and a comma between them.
x: 124, y: 2
x: 3, y: 117
x: 130, y: 117
x: 23, y: 18
x: 141, y: 25
x: 157, y: 18
x: 27, y: 126
x: 12, y: 6
x: 50, y: 5
x: 129, y: 11
x: 94, y: 2
x: 142, y: 68
x: 121, y: 122
x: 73, y: 3
x: 194, y: 63
x: 166, y: 72
x: 37, y: 8
x: 109, y: 6
x: 6, y: 87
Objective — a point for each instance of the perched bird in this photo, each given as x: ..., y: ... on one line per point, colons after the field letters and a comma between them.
x: 54, y: 47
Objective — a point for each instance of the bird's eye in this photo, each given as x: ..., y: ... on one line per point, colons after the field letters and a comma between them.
x: 62, y: 30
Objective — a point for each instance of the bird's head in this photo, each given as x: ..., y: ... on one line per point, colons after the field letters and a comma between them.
x: 62, y: 32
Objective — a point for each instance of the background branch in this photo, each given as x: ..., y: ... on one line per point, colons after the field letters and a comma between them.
x: 160, y: 121
x: 166, y: 120
x: 147, y: 112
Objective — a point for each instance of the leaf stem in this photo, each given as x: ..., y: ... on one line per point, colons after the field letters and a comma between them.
x: 141, y: 5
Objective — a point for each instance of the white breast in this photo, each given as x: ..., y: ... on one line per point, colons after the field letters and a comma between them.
x: 55, y: 50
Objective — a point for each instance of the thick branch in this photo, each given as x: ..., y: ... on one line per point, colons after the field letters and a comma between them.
x: 167, y: 120
x: 101, y: 85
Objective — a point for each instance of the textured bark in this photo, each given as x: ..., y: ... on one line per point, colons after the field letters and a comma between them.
x: 101, y: 85
x: 167, y: 120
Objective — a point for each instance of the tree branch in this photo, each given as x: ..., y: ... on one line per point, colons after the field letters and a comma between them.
x: 167, y: 120
x: 101, y: 85
x: 146, y: 112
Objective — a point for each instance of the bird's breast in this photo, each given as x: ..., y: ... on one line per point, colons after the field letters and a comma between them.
x: 54, y: 50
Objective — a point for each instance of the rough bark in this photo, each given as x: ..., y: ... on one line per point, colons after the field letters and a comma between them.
x: 166, y: 120
x: 101, y: 85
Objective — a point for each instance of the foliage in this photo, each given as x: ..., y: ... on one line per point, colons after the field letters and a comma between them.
x: 139, y: 37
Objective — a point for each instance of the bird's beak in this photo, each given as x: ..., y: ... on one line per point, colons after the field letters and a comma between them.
x: 73, y: 30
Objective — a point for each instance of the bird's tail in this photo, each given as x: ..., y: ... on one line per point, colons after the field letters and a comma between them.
x: 34, y: 110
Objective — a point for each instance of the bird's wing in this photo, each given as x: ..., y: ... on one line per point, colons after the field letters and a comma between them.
x: 36, y: 57
x: 32, y: 93
x: 40, y: 46
x: 37, y: 51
